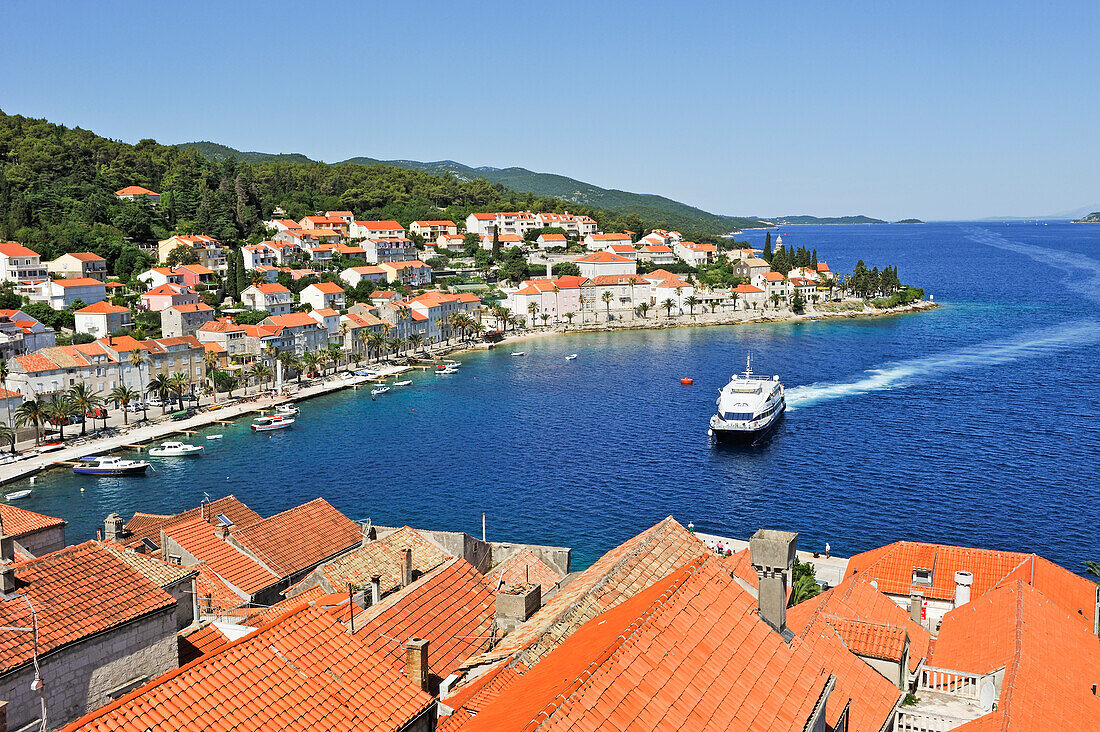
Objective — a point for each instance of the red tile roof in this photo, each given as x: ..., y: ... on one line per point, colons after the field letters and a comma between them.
x: 301, y: 672
x: 103, y: 307
x: 19, y: 522
x: 747, y: 290
x: 144, y: 525
x: 135, y: 191
x: 76, y: 592
x: 524, y: 567
x: 688, y: 652
x: 270, y: 288
x: 77, y: 282
x: 603, y: 258
x: 290, y: 320
x: 297, y: 539
x: 871, y: 639
x: 86, y: 257
x: 453, y: 608
x: 190, y: 307
x: 153, y: 569
x: 197, y: 642
x: 328, y: 288
x: 380, y: 225
x: 231, y: 564
x: 610, y: 237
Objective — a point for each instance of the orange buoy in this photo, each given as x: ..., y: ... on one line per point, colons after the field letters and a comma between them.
x: 687, y: 381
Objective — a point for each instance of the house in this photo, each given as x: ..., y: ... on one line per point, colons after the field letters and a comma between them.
x: 626, y: 251
x: 354, y: 275
x: 480, y: 223
x: 184, y: 320
x: 330, y: 319
x: 378, y: 298
x: 379, y: 250
x: 672, y: 289
x: 439, y: 306
x: 627, y: 291
x: 102, y: 319
x: 376, y: 230
x: 300, y: 332
x: 578, y: 226
x: 403, y: 320
x: 605, y: 263
x: 340, y: 219
x: 168, y: 295
x: 60, y: 294
x: 773, y: 284
x: 804, y: 287
x: 100, y: 628
x: 412, y: 273
x: 598, y: 242
x: 450, y: 241
x: 20, y: 334
x: 350, y: 252
x: 79, y: 264
x: 226, y: 335
x: 514, y: 223
x: 749, y: 296
x: 19, y: 264
x: 190, y: 275
x: 506, y: 241
x: 356, y: 327
x: 277, y: 225
x: 259, y: 255
x: 432, y: 230
x: 659, y: 254
x: 303, y: 671
x: 339, y: 224
x: 749, y: 267
x: 34, y: 534
x: 548, y: 241
x: 322, y: 295
x: 210, y: 251
x: 694, y: 254
x: 137, y: 193
x: 272, y: 297
x: 554, y: 297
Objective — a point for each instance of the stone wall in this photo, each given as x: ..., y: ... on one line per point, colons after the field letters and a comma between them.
x: 93, y: 672
x: 558, y: 557
x: 44, y: 541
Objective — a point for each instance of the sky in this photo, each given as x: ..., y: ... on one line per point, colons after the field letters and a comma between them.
x: 934, y: 110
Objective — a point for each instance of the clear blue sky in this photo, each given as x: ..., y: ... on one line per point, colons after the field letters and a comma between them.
x: 935, y: 110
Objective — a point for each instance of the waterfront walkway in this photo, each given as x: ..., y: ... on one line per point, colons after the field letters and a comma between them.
x: 829, y: 571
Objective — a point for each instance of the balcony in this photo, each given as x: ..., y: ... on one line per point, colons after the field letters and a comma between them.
x: 947, y: 699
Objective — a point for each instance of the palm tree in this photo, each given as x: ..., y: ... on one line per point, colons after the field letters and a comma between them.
x: 416, y: 341
x: 775, y: 300
x: 335, y: 353
x: 261, y: 372
x: 582, y: 300
x: 7, y: 434
x: 668, y: 304
x: 121, y: 396
x: 691, y: 302
x: 606, y: 297
x: 58, y: 410
x: 376, y: 341
x: 569, y: 316
x: 309, y: 360
x: 137, y: 359
x: 85, y: 401
x: 160, y: 386
x: 322, y: 361
x: 32, y: 411
x: 532, y: 308
x: 287, y: 359
x: 4, y: 385
x: 180, y: 383
x: 545, y: 317
x: 643, y: 309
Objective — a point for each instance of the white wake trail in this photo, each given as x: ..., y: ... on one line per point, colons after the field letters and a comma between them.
x: 1030, y: 345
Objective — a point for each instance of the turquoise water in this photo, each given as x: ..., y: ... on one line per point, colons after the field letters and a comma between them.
x: 971, y: 424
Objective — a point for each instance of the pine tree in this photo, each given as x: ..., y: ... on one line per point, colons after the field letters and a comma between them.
x: 813, y: 260
x: 768, y: 247
x: 242, y: 275
x: 496, y: 245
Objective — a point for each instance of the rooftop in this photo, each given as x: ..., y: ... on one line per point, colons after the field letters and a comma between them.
x: 297, y: 539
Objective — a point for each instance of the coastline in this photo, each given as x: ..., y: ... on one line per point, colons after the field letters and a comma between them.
x: 715, y: 319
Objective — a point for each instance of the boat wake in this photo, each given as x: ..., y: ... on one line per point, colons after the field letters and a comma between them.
x: 1084, y: 272
x: 904, y: 373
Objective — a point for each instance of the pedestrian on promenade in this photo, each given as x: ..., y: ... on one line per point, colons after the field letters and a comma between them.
x: 827, y: 550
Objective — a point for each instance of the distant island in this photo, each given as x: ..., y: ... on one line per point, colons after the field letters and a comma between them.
x: 788, y: 220
x: 1092, y: 218
x: 909, y: 221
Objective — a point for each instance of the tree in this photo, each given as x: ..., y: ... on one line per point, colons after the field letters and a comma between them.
x: 160, y: 386
x: 471, y: 243
x: 4, y: 385
x: 121, y: 396
x: 179, y: 383
x: 767, y: 253
x: 532, y: 308
x: 31, y: 411
x: 606, y: 297
x: 85, y: 401
x: 137, y: 360
x: 643, y: 308
x: 691, y: 301
x: 803, y: 582
x: 569, y: 316
x: 7, y: 434
x: 798, y: 303
x: 496, y: 244
x: 668, y: 304
x: 566, y: 269
x: 59, y: 410
x: 181, y: 254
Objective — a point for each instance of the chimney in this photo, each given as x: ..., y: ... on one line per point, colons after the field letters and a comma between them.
x: 375, y: 589
x: 221, y: 531
x: 516, y: 604
x: 416, y: 661
x: 406, y: 567
x: 772, y: 553
x: 963, y: 581
x: 916, y: 603
x: 7, y: 558
x: 113, y: 528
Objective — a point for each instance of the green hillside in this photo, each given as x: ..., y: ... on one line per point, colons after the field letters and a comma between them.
x: 1092, y: 218
x: 827, y: 220
x: 214, y: 151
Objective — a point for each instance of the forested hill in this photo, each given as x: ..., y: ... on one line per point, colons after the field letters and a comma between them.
x: 662, y: 212
x: 57, y: 189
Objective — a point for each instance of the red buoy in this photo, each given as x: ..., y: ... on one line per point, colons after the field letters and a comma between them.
x: 687, y: 381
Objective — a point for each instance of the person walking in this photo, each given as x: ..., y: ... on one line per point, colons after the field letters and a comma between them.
x: 827, y: 550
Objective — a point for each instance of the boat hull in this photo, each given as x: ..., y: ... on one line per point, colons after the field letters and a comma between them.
x: 174, y: 453
x: 270, y: 427
x: 130, y: 470
x: 743, y: 435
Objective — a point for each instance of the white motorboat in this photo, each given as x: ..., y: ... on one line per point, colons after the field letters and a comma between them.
x: 214, y: 437
x: 109, y: 465
x: 275, y: 422
x: 175, y: 449
x: 519, y: 353
x: 379, y: 390
x: 748, y: 407
x: 570, y: 357
x: 402, y: 383
x: 286, y: 409
x: 17, y: 495
x: 446, y: 372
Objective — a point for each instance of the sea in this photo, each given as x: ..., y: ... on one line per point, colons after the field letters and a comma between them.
x: 975, y: 423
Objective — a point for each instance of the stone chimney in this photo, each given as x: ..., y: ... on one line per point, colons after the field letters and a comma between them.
x: 772, y: 553
x: 7, y: 563
x: 114, y: 528
x: 963, y: 581
x: 916, y: 603
x: 406, y: 567
x: 416, y: 661
x: 221, y: 531
x: 375, y: 589
x: 516, y: 604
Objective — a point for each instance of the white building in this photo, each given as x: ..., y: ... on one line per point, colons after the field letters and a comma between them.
x: 432, y: 230
x: 388, y: 250
x: 376, y: 230
x: 102, y: 319
x: 605, y: 263
x: 480, y: 223
x: 413, y: 273
x: 506, y: 241
x: 694, y: 254
x: 354, y: 275
x: 20, y: 264
x: 772, y: 283
x: 597, y: 242
x: 258, y: 255
x: 747, y: 297
x: 272, y: 297
x: 450, y: 241
x: 548, y: 241
x: 60, y: 294
x: 659, y: 254
x: 323, y: 295
x: 79, y: 264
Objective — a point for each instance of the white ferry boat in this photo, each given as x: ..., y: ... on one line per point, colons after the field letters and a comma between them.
x: 748, y: 407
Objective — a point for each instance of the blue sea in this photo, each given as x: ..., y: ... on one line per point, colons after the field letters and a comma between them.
x: 973, y: 424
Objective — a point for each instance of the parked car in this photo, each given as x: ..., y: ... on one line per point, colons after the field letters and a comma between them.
x: 97, y: 413
x: 154, y: 402
x: 74, y: 419
x: 135, y: 407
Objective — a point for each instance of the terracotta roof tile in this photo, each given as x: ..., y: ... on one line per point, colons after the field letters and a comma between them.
x: 297, y: 539
x: 524, y: 567
x: 231, y: 564
x: 160, y: 573
x: 197, y: 642
x: 301, y: 672
x: 19, y: 522
x: 148, y: 525
x: 871, y: 639
x: 77, y: 592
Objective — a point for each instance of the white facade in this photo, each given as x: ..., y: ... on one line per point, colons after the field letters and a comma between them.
x: 60, y: 294
x: 605, y: 263
x: 274, y: 298
x: 20, y: 264
x: 376, y: 230
x: 388, y: 250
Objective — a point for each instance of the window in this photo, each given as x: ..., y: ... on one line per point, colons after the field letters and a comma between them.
x: 922, y: 576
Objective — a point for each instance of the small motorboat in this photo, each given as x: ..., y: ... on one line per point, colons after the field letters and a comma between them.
x: 175, y: 449
x: 286, y: 409
x: 214, y: 437
x: 570, y: 357
x: 109, y: 465
x: 17, y: 495
x: 402, y: 383
x: 50, y: 446
x: 446, y: 372
x: 379, y: 390
x: 687, y: 382
x: 276, y: 422
x: 519, y: 353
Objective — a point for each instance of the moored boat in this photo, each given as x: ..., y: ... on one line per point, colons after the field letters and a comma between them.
x: 266, y: 424
x: 286, y: 409
x: 109, y: 465
x: 379, y: 390
x: 519, y: 353
x: 175, y: 449
x: 570, y: 357
x: 748, y: 407
x: 17, y: 495
x: 402, y: 383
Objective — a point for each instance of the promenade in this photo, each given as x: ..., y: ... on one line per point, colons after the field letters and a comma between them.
x: 831, y: 570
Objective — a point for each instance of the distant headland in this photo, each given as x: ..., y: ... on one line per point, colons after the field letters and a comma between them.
x: 1092, y: 218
